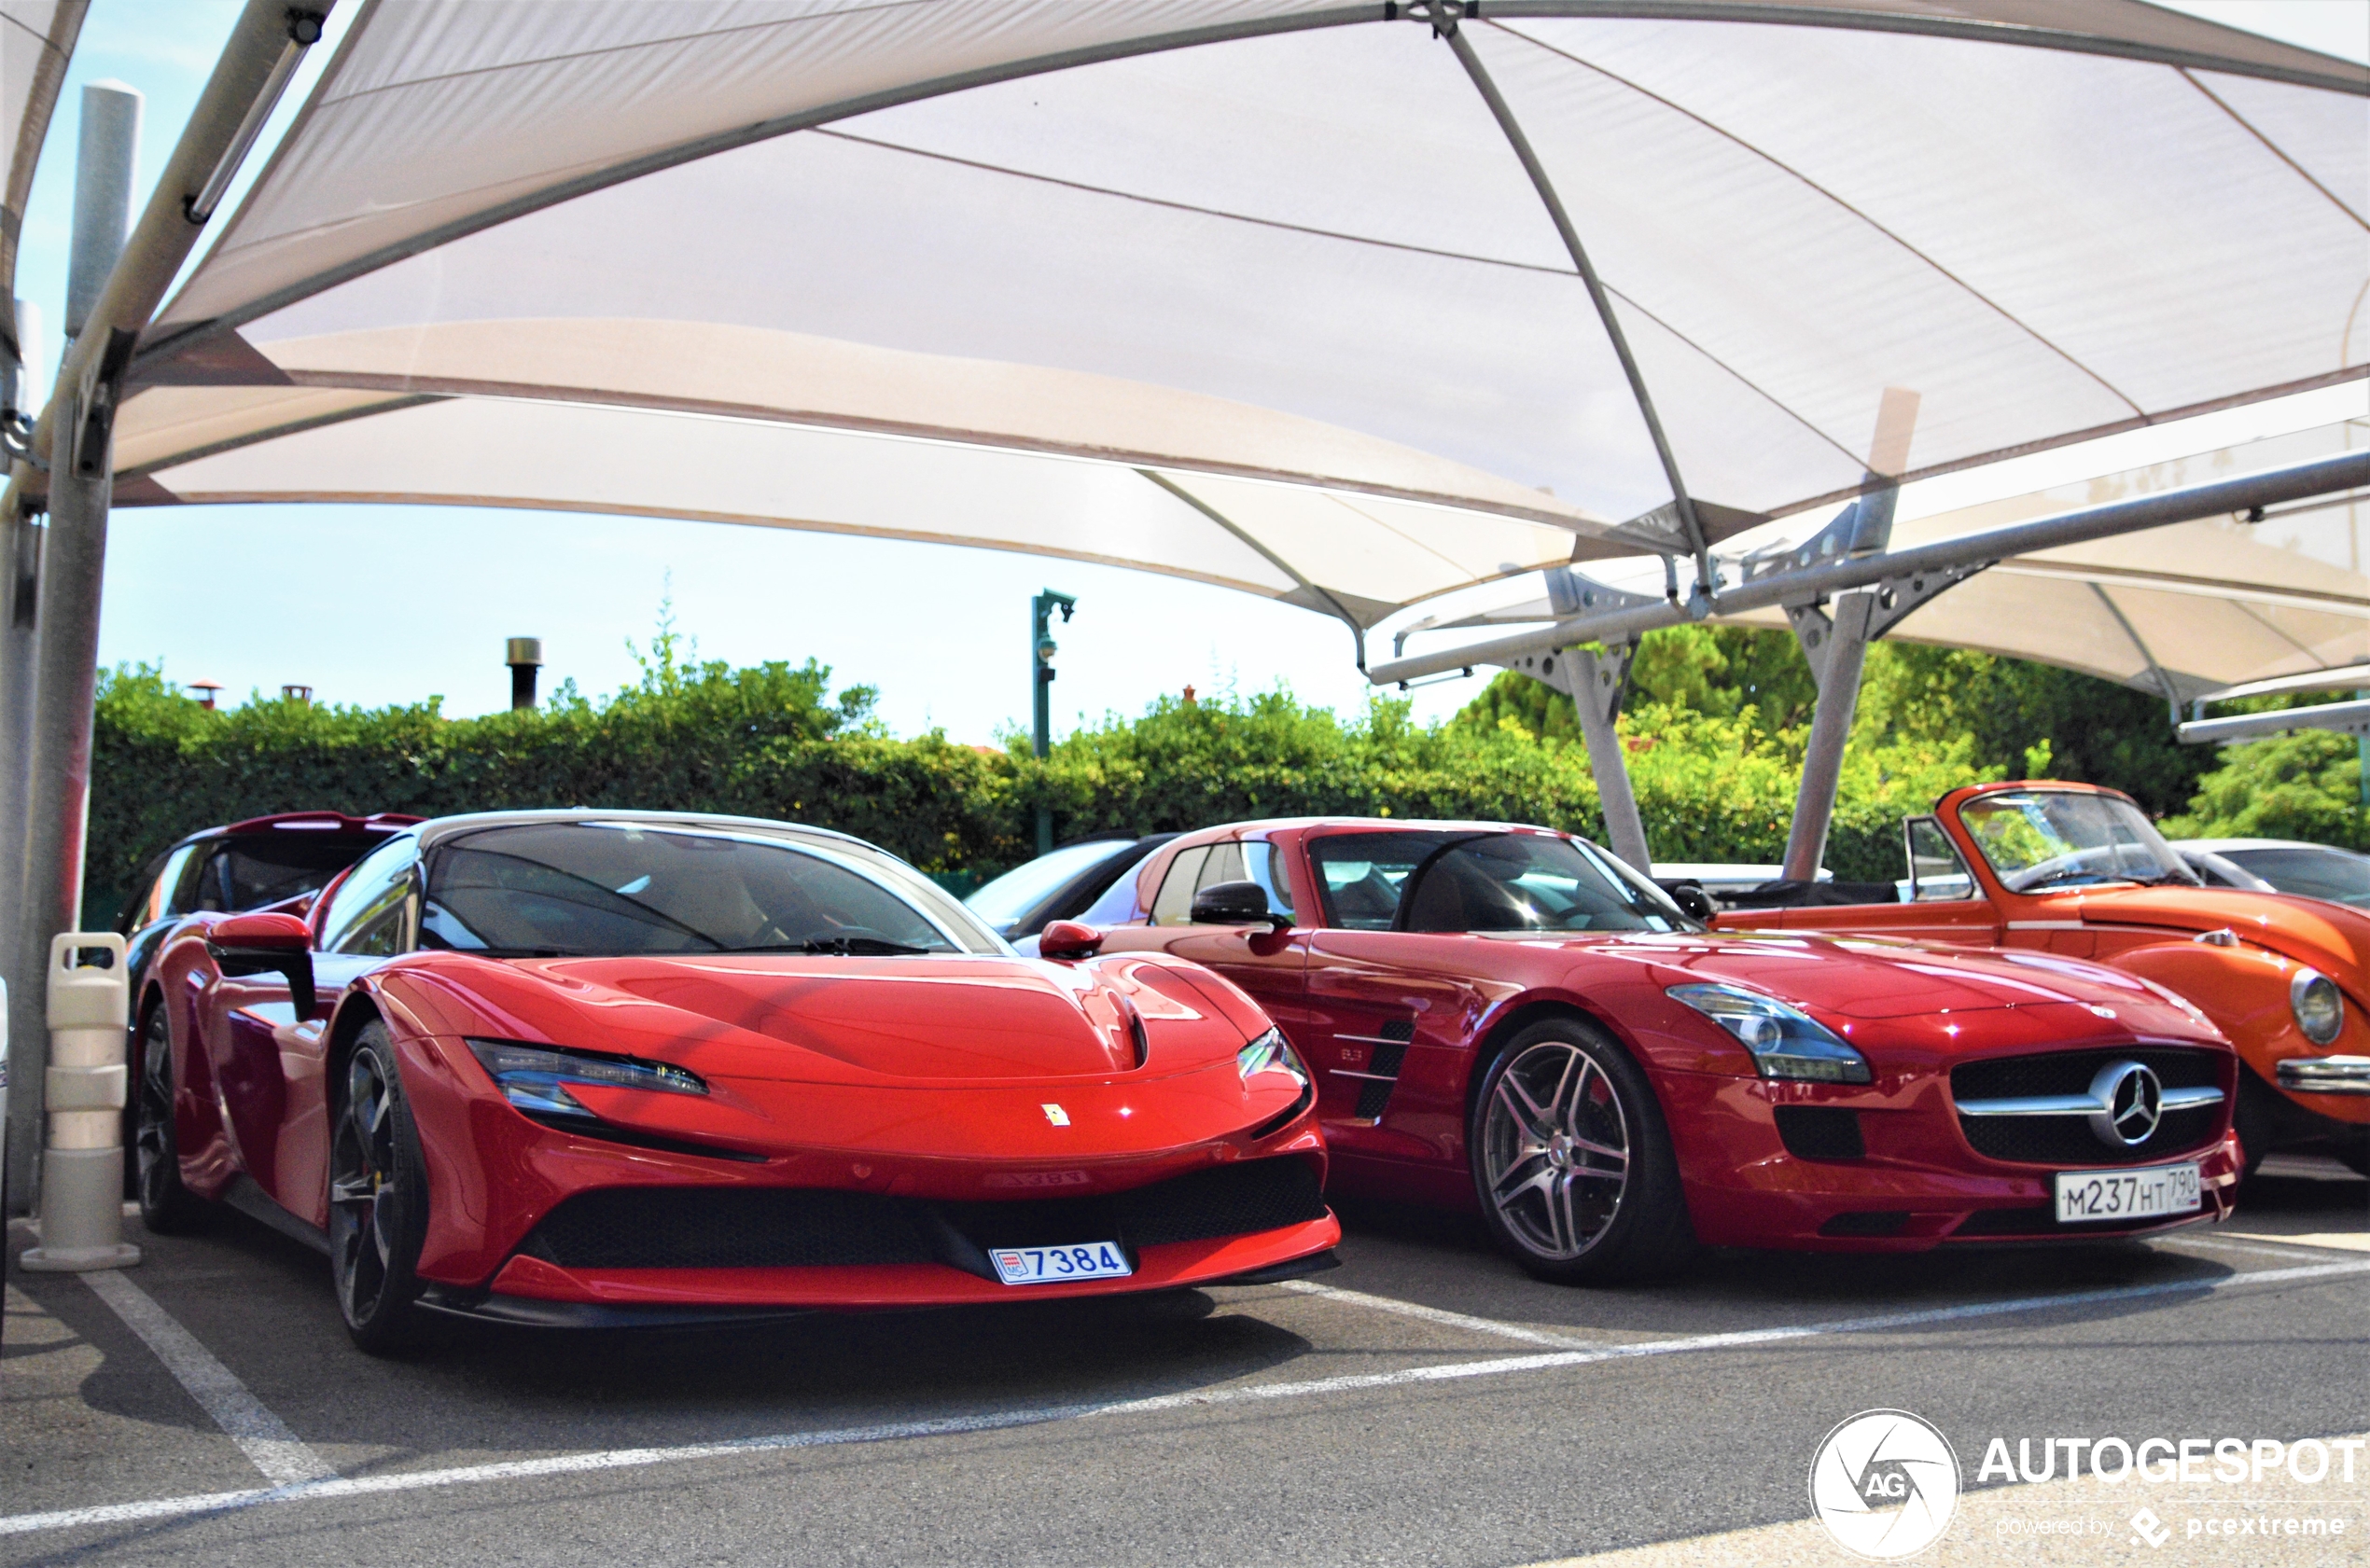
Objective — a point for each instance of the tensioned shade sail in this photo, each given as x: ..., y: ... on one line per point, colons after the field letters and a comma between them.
x: 1278, y: 254
x: 2182, y: 611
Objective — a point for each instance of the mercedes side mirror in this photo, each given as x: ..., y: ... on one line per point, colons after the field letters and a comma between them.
x: 1235, y: 904
x: 266, y: 943
x: 1067, y: 939
x: 1693, y: 901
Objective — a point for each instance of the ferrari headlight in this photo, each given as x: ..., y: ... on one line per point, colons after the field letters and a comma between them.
x: 1270, y: 1053
x: 1785, y: 1042
x: 2320, y: 1006
x: 535, y: 1078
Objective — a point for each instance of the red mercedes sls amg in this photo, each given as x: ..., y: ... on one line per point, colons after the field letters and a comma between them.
x: 605, y: 1067
x: 1506, y: 1017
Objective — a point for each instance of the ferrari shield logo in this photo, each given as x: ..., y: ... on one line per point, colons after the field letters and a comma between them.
x: 1057, y: 1116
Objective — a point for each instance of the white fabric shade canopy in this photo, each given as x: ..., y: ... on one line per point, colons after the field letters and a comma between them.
x: 1253, y: 291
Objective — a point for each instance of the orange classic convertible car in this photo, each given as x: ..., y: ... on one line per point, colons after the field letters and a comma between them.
x: 2074, y: 869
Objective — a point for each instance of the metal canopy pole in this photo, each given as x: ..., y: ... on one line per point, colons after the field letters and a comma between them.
x: 41, y: 852
x: 53, y: 618
x: 1445, y: 19
x: 1596, y: 684
x: 1837, y: 648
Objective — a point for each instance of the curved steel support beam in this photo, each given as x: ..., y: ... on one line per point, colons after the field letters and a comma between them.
x: 2346, y: 471
x: 1503, y: 112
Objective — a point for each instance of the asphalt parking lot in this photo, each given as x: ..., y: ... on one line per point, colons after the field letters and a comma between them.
x: 1425, y: 1403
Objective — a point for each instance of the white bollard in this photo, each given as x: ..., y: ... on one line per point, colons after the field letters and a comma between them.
x: 82, y: 1166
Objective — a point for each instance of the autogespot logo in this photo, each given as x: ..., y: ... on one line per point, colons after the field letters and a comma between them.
x: 1884, y: 1484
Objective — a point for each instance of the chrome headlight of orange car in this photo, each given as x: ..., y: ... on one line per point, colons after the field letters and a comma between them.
x: 2320, y: 1006
x: 1785, y: 1042
x: 535, y: 1078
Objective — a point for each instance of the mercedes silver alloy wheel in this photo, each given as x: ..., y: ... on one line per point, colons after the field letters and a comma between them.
x: 1555, y: 1150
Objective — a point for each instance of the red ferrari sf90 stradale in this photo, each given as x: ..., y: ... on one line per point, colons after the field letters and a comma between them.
x: 1506, y: 1017
x: 596, y: 1067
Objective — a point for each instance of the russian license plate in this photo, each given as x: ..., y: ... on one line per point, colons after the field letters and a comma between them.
x: 2087, y: 1196
x: 1080, y: 1261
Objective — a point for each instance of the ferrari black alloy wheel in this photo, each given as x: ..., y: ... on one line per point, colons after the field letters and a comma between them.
x: 1571, y: 1160
x: 166, y: 1207
x: 378, y: 1198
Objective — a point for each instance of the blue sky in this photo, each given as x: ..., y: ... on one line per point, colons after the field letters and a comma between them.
x: 379, y: 604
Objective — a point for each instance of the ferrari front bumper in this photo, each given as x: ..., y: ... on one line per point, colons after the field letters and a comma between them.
x: 531, y: 1291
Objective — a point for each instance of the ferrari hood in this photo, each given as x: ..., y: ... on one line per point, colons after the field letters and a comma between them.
x: 1875, y: 978
x: 936, y: 1019
x: 2331, y: 938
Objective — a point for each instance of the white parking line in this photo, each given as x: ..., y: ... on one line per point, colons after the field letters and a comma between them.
x: 1435, y: 1315
x: 283, y: 1458
x: 2260, y: 1249
x: 616, y: 1459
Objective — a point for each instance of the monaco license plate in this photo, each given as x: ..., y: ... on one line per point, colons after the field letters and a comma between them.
x: 1080, y: 1261
x: 2085, y: 1197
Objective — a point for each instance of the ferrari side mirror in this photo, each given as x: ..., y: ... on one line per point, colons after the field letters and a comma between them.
x: 1235, y: 904
x: 1067, y: 939
x: 264, y: 943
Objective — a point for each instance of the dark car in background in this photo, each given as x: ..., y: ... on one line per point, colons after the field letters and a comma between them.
x: 245, y: 866
x: 1061, y: 885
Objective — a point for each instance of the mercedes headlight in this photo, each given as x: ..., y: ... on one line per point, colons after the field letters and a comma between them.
x: 535, y: 1078
x: 1785, y: 1042
x: 2319, y: 1006
x: 1270, y: 1053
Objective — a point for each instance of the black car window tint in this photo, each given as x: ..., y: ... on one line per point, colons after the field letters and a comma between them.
x: 1525, y: 881
x: 162, y: 901
x: 1265, y: 863
x: 604, y: 889
x: 259, y: 868
x: 1360, y: 874
x: 361, y: 906
x: 1173, y: 905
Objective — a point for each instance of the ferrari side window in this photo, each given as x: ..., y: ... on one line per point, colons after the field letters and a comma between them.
x: 160, y: 901
x: 367, y: 914
x: 1174, y: 905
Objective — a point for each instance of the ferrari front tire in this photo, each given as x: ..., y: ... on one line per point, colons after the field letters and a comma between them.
x: 167, y: 1208
x: 378, y: 1198
x: 1571, y: 1160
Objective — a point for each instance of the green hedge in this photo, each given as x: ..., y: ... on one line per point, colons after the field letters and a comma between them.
x: 773, y: 741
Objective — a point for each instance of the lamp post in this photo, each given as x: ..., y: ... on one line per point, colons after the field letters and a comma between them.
x: 1041, y: 648
x: 524, y: 656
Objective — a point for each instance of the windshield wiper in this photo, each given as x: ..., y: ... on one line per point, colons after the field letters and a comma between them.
x: 842, y: 947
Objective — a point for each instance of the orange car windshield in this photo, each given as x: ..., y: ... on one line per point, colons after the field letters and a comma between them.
x: 2039, y: 839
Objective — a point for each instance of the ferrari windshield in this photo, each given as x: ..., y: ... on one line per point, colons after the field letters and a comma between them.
x: 1485, y: 881
x: 2042, y: 839
x: 584, y: 889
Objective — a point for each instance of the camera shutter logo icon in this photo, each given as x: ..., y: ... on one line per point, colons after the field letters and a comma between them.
x: 1885, y: 1483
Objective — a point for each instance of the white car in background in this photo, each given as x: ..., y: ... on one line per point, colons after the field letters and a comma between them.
x: 2280, y: 866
